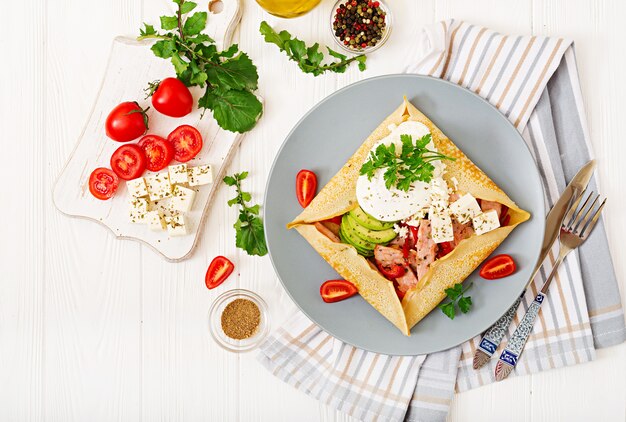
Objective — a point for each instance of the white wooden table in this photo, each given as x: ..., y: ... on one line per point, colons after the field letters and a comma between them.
x: 97, y: 329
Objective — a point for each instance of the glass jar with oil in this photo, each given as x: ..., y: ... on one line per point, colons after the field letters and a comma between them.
x: 288, y: 8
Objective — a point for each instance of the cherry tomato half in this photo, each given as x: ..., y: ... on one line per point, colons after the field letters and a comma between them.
x: 103, y: 183
x: 172, y: 98
x: 306, y: 187
x: 219, y: 270
x: 336, y: 290
x: 128, y: 162
x: 127, y: 121
x: 187, y: 142
x: 497, y: 267
x: 159, y: 153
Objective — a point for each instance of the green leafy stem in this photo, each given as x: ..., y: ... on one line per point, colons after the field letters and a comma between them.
x: 229, y: 76
x: 249, y: 233
x: 309, y: 59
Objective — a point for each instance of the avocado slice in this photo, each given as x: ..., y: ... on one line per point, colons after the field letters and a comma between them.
x: 374, y: 236
x: 364, y: 252
x: 368, y: 221
x: 353, y: 238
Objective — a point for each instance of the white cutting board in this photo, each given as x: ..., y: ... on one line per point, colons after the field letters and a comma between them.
x: 131, y: 66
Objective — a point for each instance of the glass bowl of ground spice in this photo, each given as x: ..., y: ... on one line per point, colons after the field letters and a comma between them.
x: 238, y: 320
x: 360, y: 26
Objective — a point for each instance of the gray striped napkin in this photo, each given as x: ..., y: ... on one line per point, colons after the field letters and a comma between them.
x: 534, y: 82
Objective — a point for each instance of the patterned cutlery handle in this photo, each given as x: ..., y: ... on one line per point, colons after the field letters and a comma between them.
x: 510, y: 355
x: 493, y: 336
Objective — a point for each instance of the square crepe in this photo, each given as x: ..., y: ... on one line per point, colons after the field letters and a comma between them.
x: 402, y: 246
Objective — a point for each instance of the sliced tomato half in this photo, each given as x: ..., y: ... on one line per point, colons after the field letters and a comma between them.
x: 336, y: 290
x: 187, y: 142
x: 444, y: 249
x: 103, y: 183
x: 128, y: 162
x: 497, y: 267
x: 219, y: 270
x: 159, y: 153
x: 306, y: 187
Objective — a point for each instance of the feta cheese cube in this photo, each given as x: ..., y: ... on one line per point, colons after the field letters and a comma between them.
x: 178, y: 174
x: 401, y: 231
x: 465, y: 208
x: 486, y: 222
x: 155, y: 220
x: 138, y: 210
x: 440, y: 227
x: 137, y: 187
x: 200, y: 175
x: 159, y: 186
x: 182, y: 199
x: 176, y: 225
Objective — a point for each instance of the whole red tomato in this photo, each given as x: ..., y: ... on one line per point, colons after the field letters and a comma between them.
x: 126, y: 122
x: 172, y: 98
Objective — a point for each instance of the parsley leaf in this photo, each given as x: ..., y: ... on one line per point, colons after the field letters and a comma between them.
x: 249, y: 233
x: 229, y: 77
x: 413, y: 162
x: 456, y: 295
x: 309, y: 59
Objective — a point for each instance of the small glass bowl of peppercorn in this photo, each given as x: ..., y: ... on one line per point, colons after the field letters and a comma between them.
x: 360, y: 26
x: 238, y: 320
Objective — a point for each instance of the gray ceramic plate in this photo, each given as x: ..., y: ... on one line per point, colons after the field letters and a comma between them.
x: 322, y: 142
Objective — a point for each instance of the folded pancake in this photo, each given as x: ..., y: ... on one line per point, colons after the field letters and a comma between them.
x: 339, y: 197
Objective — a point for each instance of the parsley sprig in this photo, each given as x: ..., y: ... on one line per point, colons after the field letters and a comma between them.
x: 249, y: 227
x: 456, y: 295
x: 309, y: 59
x: 229, y: 75
x: 411, y: 164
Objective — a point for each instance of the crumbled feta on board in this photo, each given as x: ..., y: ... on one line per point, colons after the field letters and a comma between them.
x: 176, y: 224
x: 178, y: 174
x: 182, y: 199
x: 138, y: 210
x: 155, y: 220
x: 159, y: 186
x: 486, y: 222
x: 137, y: 187
x: 200, y: 175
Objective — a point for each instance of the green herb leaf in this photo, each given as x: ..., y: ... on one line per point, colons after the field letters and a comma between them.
x: 413, y: 163
x: 249, y: 233
x: 236, y: 73
x: 169, y: 22
x: 187, y: 7
x: 234, y: 110
x: 147, y: 30
x: 164, y: 49
x: 456, y: 296
x: 195, y: 23
x: 465, y: 303
x: 229, y: 76
x: 309, y: 59
x: 448, y: 309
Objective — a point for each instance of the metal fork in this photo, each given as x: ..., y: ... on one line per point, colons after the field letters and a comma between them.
x: 577, y: 224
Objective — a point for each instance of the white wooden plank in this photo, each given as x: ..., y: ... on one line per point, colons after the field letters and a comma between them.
x: 93, y: 283
x: 22, y: 258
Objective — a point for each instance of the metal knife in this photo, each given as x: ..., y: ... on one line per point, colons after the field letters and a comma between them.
x: 493, y: 336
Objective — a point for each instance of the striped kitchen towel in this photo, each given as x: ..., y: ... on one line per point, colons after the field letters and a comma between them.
x: 532, y: 80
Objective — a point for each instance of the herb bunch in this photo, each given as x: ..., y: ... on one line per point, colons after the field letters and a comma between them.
x: 309, y: 59
x: 249, y: 227
x: 412, y: 164
x: 456, y: 295
x: 229, y: 76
